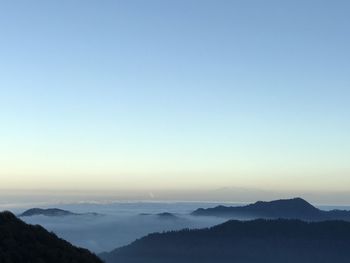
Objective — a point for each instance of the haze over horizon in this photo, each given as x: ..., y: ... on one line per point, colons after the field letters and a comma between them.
x: 148, y: 97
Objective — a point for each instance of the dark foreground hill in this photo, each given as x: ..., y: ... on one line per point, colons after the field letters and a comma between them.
x: 258, y: 241
x: 23, y: 243
x: 295, y: 208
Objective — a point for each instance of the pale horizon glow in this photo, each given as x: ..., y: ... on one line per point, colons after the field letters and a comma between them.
x: 145, y: 96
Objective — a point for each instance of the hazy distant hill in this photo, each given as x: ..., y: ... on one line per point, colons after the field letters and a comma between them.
x: 295, y: 208
x: 23, y: 243
x: 168, y: 216
x: 164, y: 215
x: 47, y: 212
x: 51, y: 212
x: 258, y: 241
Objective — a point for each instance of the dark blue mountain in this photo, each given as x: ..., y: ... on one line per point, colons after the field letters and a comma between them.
x: 258, y: 241
x: 296, y: 208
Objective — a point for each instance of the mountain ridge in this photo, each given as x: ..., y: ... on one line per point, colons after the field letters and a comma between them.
x: 295, y: 208
x: 261, y: 240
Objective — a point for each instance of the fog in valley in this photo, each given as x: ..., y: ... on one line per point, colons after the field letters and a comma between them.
x: 116, y: 224
x: 119, y: 224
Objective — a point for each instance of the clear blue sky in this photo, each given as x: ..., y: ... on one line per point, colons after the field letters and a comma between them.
x: 175, y: 94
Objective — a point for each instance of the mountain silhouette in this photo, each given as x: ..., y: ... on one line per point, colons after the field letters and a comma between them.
x: 296, y: 208
x: 52, y: 212
x: 23, y: 243
x: 47, y: 212
x: 258, y: 241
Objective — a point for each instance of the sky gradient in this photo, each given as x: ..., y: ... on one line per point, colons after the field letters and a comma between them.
x: 147, y: 95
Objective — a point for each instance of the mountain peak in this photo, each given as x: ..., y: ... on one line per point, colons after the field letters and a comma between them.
x: 7, y: 216
x: 294, y: 203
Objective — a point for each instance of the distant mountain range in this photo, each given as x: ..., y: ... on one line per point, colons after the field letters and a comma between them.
x: 267, y: 241
x: 23, y: 243
x: 51, y: 212
x: 296, y: 208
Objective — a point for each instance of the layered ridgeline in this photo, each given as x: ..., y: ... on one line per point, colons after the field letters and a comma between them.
x: 296, y: 208
x: 23, y: 243
x: 270, y: 241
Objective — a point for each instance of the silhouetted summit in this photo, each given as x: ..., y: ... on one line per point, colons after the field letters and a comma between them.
x: 296, y: 208
x: 258, y: 241
x: 23, y: 243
